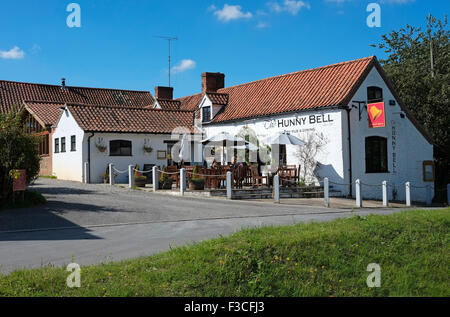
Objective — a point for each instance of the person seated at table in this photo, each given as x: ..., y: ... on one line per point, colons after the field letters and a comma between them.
x: 215, y: 164
x: 234, y: 163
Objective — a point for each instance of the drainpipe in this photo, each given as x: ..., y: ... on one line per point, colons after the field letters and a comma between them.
x: 89, y: 155
x: 349, y: 151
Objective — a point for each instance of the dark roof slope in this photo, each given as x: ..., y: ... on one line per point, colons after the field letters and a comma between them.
x: 129, y: 120
x: 14, y: 93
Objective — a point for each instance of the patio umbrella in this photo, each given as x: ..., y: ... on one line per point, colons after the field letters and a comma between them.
x: 184, y: 148
x: 284, y: 138
x: 246, y: 146
x: 223, y: 138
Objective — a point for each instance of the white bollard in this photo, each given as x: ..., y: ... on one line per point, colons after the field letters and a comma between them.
x: 155, y: 178
x: 448, y: 194
x: 408, y: 194
x: 326, y: 192
x: 182, y: 181
x: 385, y: 197
x: 428, y: 197
x: 130, y: 176
x: 111, y: 174
x: 276, y: 189
x: 229, y: 191
x: 86, y: 172
x: 359, y: 203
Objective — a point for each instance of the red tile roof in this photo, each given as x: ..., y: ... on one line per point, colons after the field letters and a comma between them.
x: 190, y: 103
x: 169, y: 104
x: 129, y: 120
x: 47, y: 113
x: 14, y: 93
x: 217, y: 98
x: 315, y: 88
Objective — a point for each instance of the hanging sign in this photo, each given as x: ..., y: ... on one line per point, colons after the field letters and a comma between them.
x: 376, y: 115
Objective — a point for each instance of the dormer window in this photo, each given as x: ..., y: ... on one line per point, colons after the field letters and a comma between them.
x: 206, y: 114
x: 374, y: 94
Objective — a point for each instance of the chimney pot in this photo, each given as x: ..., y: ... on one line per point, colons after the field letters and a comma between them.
x: 211, y: 82
x: 63, y: 83
x: 163, y: 92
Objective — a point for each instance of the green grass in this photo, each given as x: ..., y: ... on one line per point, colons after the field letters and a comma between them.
x: 48, y: 176
x: 32, y: 199
x: 318, y: 259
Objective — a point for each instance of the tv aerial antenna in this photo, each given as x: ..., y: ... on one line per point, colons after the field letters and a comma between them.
x: 169, y: 40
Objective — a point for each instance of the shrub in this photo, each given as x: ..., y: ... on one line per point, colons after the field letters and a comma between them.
x: 18, y: 150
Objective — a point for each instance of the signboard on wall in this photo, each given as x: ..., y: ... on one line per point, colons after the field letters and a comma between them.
x: 377, y: 117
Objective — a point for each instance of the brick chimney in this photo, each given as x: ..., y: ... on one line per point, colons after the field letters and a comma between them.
x: 211, y: 82
x: 163, y: 92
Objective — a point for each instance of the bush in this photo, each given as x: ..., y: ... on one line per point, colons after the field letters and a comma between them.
x: 31, y: 198
x: 18, y: 150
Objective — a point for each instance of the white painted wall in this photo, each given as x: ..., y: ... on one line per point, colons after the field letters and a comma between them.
x: 68, y: 165
x: 328, y: 122
x: 99, y: 160
x: 411, y: 148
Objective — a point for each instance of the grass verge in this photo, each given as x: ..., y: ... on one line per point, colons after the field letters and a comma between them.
x: 317, y: 259
x: 31, y: 199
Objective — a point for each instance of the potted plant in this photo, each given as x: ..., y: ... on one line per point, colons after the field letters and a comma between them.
x: 147, y: 148
x: 196, y: 182
x: 100, y: 145
x: 105, y: 176
x: 139, y: 179
x: 164, y: 181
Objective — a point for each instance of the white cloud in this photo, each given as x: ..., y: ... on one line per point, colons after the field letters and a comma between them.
x: 184, y: 65
x: 262, y: 25
x: 232, y: 12
x: 290, y: 6
x: 14, y: 53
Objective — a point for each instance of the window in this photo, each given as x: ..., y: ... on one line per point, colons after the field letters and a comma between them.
x: 206, y: 114
x: 73, y: 143
x: 43, y: 144
x: 428, y: 171
x: 376, y: 155
x: 56, y: 145
x: 374, y: 94
x: 120, y: 148
x: 63, y: 144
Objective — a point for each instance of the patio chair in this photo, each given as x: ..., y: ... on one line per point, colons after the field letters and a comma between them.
x: 258, y: 180
x: 288, y: 175
x: 174, y: 177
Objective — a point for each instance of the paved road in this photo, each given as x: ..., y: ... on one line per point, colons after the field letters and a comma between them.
x: 97, y: 223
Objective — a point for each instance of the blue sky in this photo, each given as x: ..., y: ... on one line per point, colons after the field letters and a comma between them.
x: 246, y: 40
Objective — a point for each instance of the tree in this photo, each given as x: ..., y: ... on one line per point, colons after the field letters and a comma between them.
x: 307, y: 154
x: 18, y: 150
x: 418, y: 64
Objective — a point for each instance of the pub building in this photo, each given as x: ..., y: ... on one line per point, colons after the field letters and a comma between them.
x: 349, y: 114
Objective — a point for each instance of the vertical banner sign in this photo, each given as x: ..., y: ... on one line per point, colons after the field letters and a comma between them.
x: 20, y: 183
x: 376, y: 115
